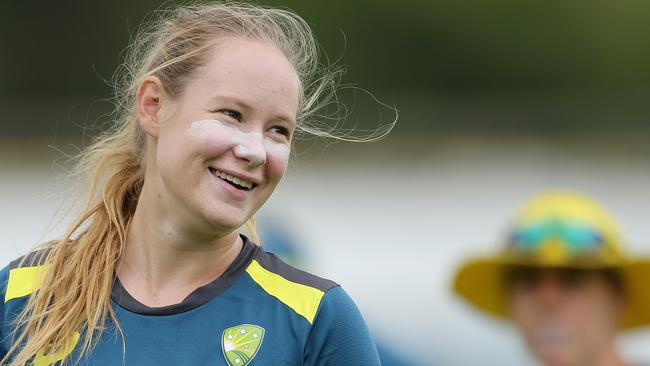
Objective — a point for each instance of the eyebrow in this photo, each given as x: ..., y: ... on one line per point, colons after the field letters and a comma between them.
x: 247, y: 107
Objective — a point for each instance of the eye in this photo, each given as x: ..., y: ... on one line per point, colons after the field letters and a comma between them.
x: 232, y: 114
x: 281, y: 130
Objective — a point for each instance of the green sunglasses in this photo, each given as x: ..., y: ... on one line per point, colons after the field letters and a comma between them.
x: 577, y: 237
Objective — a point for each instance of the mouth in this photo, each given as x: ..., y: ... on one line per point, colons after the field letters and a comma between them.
x: 552, y: 337
x: 236, y: 182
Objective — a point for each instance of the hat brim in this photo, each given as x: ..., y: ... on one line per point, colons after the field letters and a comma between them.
x: 480, y: 282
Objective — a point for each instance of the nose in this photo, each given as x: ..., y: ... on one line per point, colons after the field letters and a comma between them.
x: 549, y: 290
x: 251, y: 148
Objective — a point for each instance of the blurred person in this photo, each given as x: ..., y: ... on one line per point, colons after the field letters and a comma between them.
x: 564, y: 281
x: 155, y: 271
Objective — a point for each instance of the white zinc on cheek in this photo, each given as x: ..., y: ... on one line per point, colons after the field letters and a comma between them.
x: 213, y: 127
x: 276, y: 150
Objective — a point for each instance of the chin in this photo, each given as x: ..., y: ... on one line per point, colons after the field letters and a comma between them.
x: 225, y: 219
x: 229, y: 224
x: 557, y: 358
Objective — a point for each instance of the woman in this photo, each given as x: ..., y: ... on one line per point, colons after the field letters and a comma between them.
x: 154, y: 270
x: 564, y: 281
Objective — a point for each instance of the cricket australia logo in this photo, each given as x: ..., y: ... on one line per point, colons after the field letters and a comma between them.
x: 241, y: 343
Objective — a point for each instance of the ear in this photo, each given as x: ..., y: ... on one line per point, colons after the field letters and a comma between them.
x: 148, y: 101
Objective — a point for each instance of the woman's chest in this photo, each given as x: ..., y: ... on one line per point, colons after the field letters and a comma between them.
x: 248, y: 334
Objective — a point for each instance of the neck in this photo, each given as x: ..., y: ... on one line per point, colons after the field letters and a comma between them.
x: 164, y: 260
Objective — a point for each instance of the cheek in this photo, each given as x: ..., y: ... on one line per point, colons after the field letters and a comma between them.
x: 277, y: 159
x: 170, y: 154
x: 184, y: 149
x: 584, y: 309
x: 529, y: 314
x: 521, y: 311
x: 212, y: 137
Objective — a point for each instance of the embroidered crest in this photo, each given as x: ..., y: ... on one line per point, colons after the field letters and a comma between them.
x: 241, y: 343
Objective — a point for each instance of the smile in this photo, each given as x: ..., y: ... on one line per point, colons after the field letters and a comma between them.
x: 234, y: 181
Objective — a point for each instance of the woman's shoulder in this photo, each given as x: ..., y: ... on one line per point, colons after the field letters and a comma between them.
x: 339, y: 333
x: 269, y: 262
x: 23, y: 274
x: 34, y: 259
x: 301, y: 291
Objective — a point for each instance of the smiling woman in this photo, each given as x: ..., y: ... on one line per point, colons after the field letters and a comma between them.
x: 154, y: 270
x: 226, y: 120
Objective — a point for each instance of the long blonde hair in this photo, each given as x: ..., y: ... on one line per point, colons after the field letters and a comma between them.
x: 75, y: 295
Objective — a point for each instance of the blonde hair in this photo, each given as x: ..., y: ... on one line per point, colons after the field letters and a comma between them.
x: 75, y: 295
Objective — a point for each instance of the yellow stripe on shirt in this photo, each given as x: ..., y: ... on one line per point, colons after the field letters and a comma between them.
x: 24, y: 280
x: 303, y: 299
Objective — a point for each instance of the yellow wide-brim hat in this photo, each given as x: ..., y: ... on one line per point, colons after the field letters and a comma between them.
x: 558, y: 230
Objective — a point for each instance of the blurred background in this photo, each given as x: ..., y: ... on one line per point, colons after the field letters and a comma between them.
x: 498, y: 100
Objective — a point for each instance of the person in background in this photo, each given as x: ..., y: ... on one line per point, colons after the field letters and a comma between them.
x: 564, y: 280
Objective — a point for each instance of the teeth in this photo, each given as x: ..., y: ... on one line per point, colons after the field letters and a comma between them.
x: 237, y: 181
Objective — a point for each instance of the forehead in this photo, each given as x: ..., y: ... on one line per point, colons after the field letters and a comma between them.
x: 256, y: 72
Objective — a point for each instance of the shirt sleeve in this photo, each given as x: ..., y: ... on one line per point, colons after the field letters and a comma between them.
x: 339, y: 335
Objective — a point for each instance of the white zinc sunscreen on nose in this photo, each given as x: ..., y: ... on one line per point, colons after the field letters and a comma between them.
x: 222, y: 133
